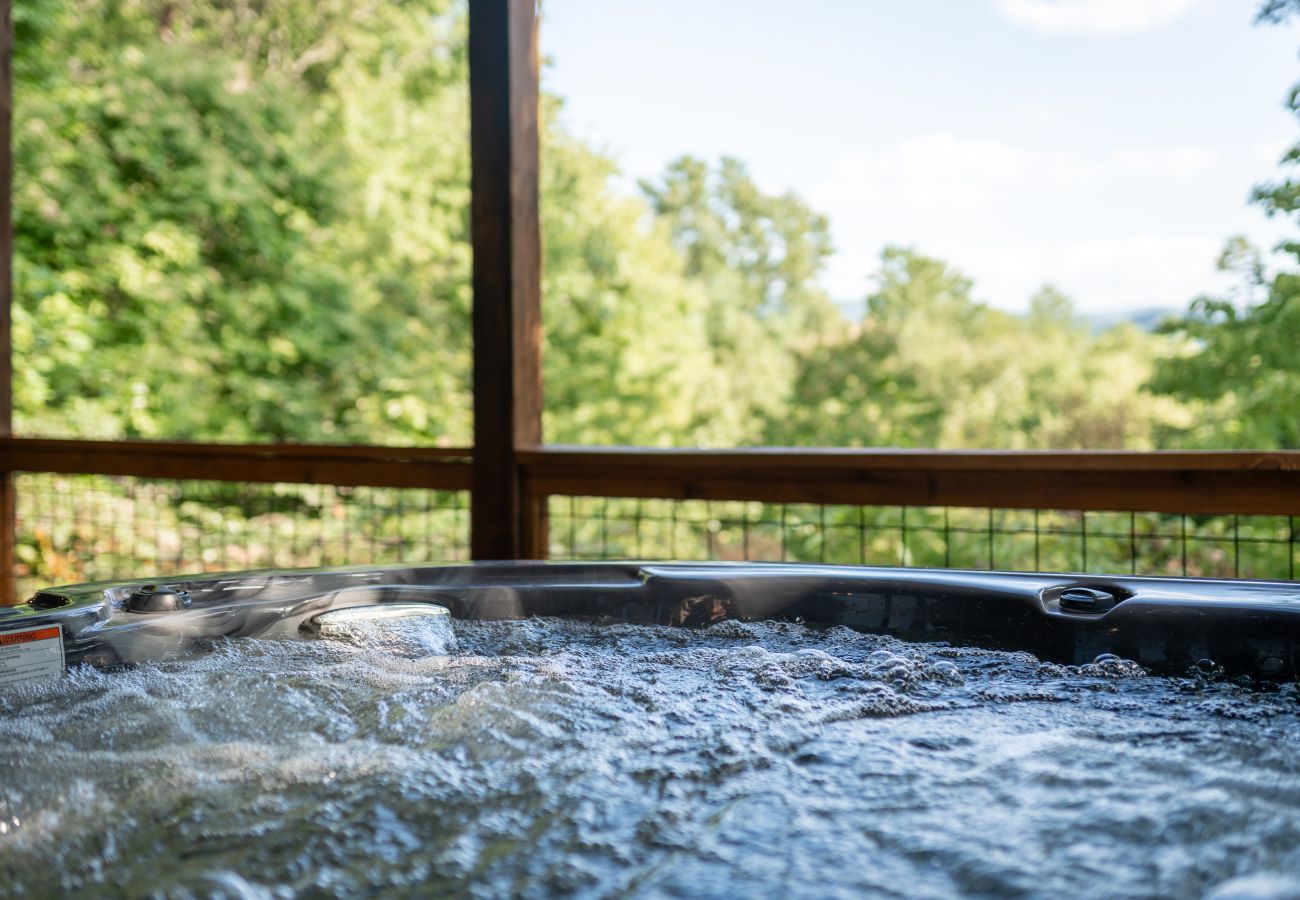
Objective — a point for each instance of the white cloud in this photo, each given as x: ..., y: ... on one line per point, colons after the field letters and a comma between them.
x: 1094, y: 16
x: 939, y: 172
x: 1268, y: 154
x: 1130, y: 272
x: 1169, y: 162
x: 1110, y: 227
x: 935, y: 173
x: 1127, y: 272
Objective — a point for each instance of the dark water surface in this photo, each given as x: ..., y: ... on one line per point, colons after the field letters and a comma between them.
x: 540, y: 758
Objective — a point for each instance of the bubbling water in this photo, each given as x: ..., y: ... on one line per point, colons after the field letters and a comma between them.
x: 544, y: 757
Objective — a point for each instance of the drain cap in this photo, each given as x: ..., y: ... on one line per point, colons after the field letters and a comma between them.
x: 1086, y: 599
x: 154, y: 598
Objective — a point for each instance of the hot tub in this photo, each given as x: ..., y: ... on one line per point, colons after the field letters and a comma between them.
x: 652, y: 730
x: 1165, y: 624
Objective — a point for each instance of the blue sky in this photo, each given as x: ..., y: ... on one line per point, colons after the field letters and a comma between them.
x: 1104, y: 146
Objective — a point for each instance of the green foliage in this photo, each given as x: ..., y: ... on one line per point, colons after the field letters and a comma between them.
x: 247, y: 221
x: 929, y: 366
x: 757, y: 258
x: 1240, y: 363
x: 627, y: 356
x: 205, y: 237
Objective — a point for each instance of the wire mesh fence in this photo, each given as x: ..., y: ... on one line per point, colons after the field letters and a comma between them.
x: 1135, y: 543
x: 75, y: 528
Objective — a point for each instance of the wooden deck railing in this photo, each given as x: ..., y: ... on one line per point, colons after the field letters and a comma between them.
x: 444, y: 469
x: 1197, y: 482
x: 1246, y: 483
x: 1168, y: 481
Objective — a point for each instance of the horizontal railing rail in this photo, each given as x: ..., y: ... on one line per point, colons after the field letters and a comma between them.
x: 1197, y: 482
x: 342, y: 465
x: 1200, y: 482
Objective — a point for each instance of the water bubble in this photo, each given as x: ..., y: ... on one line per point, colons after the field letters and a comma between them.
x: 1108, y: 665
x: 946, y: 673
x: 1271, y: 667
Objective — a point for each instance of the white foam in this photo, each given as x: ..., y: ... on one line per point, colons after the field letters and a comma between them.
x: 538, y: 757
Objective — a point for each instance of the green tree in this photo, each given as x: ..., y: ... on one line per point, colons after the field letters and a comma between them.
x: 930, y: 366
x: 248, y: 221
x: 1241, y: 360
x: 212, y: 243
x: 1239, y: 363
x: 627, y: 357
x: 757, y: 257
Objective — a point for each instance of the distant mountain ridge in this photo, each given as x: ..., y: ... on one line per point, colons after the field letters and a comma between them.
x: 1147, y: 318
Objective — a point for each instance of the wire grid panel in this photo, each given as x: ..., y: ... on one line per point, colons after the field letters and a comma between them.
x: 77, y: 528
x: 1134, y: 543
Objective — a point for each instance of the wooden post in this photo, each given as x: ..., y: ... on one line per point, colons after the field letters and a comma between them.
x: 8, y: 580
x: 506, y: 234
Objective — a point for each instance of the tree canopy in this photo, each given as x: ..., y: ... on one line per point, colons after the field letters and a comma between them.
x: 1242, y: 359
x: 248, y: 221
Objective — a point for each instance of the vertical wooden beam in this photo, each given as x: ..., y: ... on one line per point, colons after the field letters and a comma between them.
x: 506, y: 235
x: 8, y: 580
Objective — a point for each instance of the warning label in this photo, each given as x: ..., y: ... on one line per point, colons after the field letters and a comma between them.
x: 31, y: 654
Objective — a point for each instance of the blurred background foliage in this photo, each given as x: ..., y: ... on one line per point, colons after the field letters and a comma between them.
x: 247, y: 220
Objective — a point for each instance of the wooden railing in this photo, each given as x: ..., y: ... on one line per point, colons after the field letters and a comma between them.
x: 1169, y: 481
x: 443, y: 469
x: 1197, y: 482
x: 1247, y: 483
